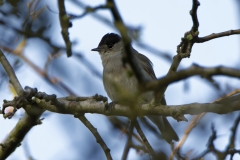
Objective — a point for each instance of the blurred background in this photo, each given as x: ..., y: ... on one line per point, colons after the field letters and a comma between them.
x: 31, y: 39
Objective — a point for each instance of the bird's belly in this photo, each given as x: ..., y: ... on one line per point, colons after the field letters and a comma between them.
x: 120, y: 87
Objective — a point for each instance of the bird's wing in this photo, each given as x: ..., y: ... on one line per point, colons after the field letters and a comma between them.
x: 146, y: 64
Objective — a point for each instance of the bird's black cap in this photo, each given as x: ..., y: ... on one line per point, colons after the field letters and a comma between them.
x: 110, y: 39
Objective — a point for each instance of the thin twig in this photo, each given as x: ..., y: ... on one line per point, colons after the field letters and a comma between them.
x: 10, y: 72
x: 42, y: 73
x: 193, y: 124
x: 231, y: 144
x: 87, y: 10
x: 230, y: 150
x: 27, y: 151
x: 117, y: 123
x: 95, y: 133
x: 147, y: 47
x: 185, y: 47
x: 65, y: 24
x: 193, y: 14
x: 217, y: 35
x: 129, y: 140
x: 128, y: 55
x: 144, y: 138
x: 210, y: 145
x: 139, y: 147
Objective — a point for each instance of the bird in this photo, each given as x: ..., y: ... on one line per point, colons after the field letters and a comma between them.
x: 123, y: 87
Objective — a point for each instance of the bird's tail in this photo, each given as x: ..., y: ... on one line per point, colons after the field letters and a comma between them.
x: 165, y: 128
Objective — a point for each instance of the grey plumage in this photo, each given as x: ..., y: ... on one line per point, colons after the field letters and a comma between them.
x: 121, y: 86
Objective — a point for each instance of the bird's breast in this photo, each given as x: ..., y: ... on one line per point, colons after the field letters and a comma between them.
x: 118, y: 84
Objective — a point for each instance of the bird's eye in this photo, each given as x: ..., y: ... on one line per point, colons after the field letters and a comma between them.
x: 109, y: 45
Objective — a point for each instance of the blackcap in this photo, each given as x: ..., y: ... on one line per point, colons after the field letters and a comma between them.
x: 122, y: 86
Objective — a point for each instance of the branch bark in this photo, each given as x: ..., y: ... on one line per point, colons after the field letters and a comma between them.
x: 217, y: 35
x: 192, y: 71
x: 128, y: 55
x: 65, y: 24
x: 95, y: 133
x: 227, y: 105
x: 25, y: 124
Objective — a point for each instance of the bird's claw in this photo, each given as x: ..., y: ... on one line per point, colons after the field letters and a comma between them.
x: 110, y: 106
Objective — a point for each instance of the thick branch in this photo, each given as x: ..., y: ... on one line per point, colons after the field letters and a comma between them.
x: 17, y: 134
x: 93, y: 106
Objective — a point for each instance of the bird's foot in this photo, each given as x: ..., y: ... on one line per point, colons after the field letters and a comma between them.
x: 109, y: 107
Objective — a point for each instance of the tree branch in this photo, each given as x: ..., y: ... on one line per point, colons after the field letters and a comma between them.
x: 217, y: 35
x: 88, y: 10
x: 165, y: 55
x: 193, y: 14
x: 195, y: 121
x: 10, y: 72
x: 144, y: 138
x: 17, y: 134
x: 65, y: 24
x: 24, y: 125
x: 193, y: 124
x: 183, y: 49
x: 192, y: 71
x: 128, y: 55
x: 93, y: 106
x: 42, y: 73
x: 230, y: 149
x: 129, y: 140
x: 95, y: 133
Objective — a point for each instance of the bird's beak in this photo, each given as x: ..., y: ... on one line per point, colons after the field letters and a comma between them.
x: 98, y: 49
